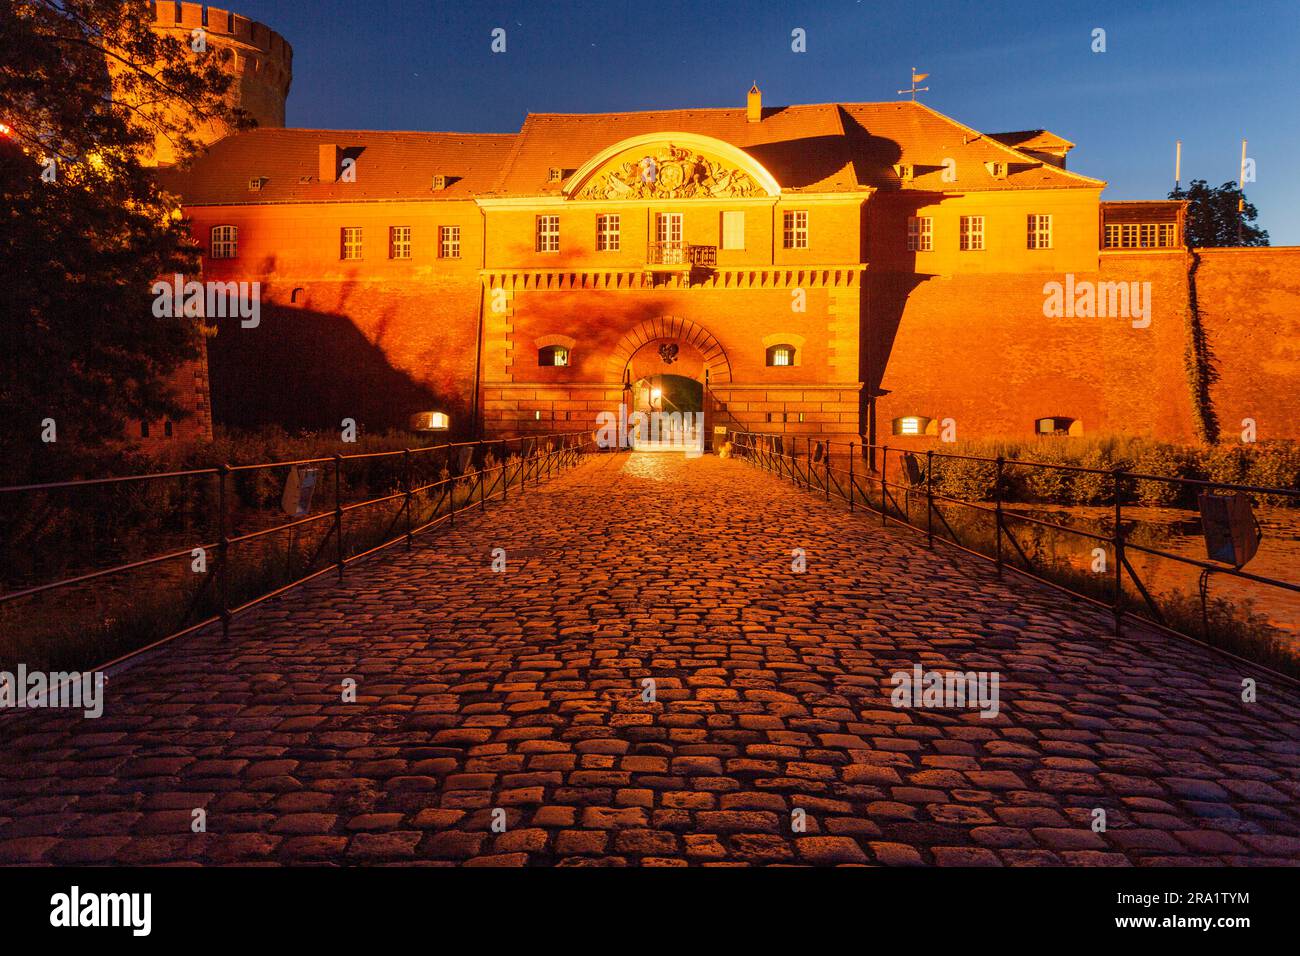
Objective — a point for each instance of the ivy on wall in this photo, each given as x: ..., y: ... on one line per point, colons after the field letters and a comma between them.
x: 1198, y: 361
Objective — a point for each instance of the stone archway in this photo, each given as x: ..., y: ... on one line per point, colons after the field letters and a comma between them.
x: 672, y: 329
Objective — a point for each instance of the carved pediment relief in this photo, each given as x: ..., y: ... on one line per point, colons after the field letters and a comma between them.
x: 668, y: 171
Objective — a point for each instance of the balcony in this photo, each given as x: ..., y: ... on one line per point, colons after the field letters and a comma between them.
x: 680, y: 256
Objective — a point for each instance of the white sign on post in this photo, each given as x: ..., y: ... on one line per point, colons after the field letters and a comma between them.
x: 298, y: 489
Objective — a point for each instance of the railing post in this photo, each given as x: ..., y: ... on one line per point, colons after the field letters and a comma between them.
x: 929, y: 498
x: 884, y: 501
x: 826, y: 451
x: 482, y: 489
x: 1118, y: 544
x: 406, y: 459
x: 505, y: 472
x: 223, y: 550
x: 853, y: 488
x: 997, y: 514
x: 338, y: 513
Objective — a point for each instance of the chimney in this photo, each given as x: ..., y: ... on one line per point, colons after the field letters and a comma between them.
x: 329, y: 163
x: 754, y: 106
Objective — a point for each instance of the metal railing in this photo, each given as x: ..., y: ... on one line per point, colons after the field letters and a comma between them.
x: 537, y: 458
x: 678, y: 253
x: 815, y: 470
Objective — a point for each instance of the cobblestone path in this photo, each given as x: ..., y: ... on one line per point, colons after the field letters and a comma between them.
x: 516, y: 698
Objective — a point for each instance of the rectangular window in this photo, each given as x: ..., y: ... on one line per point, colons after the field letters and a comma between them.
x: 449, y: 242
x: 1128, y: 236
x: 668, y: 227
x: 350, y: 242
x: 794, y: 232
x: 225, y: 242
x: 1147, y: 235
x: 1040, y: 232
x: 548, y: 233
x: 972, y: 233
x: 608, y: 238
x: 399, y: 242
x: 920, y: 233
x: 733, y: 230
x: 1168, y: 235
x: 1112, y: 236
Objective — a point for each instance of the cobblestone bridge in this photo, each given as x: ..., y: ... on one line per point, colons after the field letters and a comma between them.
x: 516, y: 698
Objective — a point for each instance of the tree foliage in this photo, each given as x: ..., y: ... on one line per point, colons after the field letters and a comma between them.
x: 85, y: 230
x: 1212, y: 216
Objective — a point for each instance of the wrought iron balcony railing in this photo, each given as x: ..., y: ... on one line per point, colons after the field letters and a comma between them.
x: 678, y: 253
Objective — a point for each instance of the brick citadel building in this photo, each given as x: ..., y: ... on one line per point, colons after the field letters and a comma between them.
x: 842, y: 269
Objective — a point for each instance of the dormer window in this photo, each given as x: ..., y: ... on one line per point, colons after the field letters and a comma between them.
x: 439, y: 182
x: 553, y: 355
x: 906, y: 171
x: 555, y: 174
x: 255, y: 184
x: 997, y: 169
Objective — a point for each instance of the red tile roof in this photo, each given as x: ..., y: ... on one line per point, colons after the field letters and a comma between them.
x: 814, y: 148
x: 390, y: 165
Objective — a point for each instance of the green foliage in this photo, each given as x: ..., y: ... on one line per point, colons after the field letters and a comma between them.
x: 1160, y: 459
x: 1213, y: 219
x: 79, y: 342
x: 1275, y: 464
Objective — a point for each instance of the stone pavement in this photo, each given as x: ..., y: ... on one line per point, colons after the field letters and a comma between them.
x: 517, y: 697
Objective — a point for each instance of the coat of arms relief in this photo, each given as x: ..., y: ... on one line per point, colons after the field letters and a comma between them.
x: 672, y: 173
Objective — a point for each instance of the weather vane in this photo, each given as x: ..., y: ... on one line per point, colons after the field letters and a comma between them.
x: 916, y: 78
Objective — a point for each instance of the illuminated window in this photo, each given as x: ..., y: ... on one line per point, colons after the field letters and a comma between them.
x: 399, y: 242
x: 780, y: 355
x: 608, y: 237
x: 548, y: 233
x: 920, y: 232
x: 972, y: 233
x: 733, y: 230
x: 1055, y: 425
x: 910, y: 425
x: 553, y: 355
x: 449, y: 242
x: 1040, y: 232
x: 794, y: 233
x: 350, y: 242
x: 225, y: 242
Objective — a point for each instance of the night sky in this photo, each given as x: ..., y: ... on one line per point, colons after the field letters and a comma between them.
x: 1208, y: 73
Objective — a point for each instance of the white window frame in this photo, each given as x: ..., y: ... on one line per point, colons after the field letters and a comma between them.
x: 1040, y: 231
x: 668, y: 227
x: 449, y: 242
x: 794, y: 229
x: 399, y: 242
x: 609, y: 237
x: 733, y: 229
x: 548, y: 233
x: 350, y: 243
x: 920, y: 233
x: 224, y: 242
x: 972, y: 234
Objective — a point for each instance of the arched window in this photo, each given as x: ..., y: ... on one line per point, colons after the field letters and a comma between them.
x: 225, y: 242
x: 910, y: 425
x: 553, y: 355
x: 1054, y: 425
x: 780, y: 356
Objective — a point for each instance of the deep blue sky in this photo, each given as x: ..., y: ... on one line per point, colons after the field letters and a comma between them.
x: 1208, y: 73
